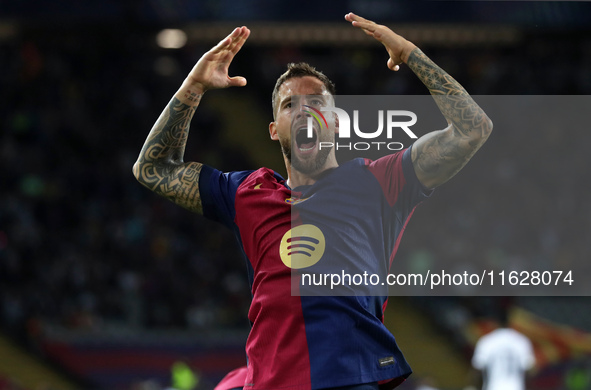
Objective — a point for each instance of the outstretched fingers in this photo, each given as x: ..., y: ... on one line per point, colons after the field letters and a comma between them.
x: 224, y: 43
x: 369, y: 27
x: 360, y: 22
x: 394, y: 44
x: 238, y: 42
x: 351, y: 17
x: 233, y: 42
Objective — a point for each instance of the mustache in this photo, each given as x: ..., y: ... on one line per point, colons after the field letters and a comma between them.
x: 298, y: 124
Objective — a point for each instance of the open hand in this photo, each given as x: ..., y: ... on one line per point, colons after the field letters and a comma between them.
x: 398, y: 48
x: 211, y: 71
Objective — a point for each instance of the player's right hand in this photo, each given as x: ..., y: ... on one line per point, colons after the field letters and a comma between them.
x: 211, y: 71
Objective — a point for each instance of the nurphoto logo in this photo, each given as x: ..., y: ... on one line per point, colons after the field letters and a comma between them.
x: 395, y: 119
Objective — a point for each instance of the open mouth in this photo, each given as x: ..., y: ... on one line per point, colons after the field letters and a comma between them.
x: 303, y: 142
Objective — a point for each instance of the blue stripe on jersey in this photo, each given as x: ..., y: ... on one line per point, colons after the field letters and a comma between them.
x: 218, y: 193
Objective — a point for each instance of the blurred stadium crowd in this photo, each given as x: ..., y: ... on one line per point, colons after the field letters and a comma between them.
x: 84, y: 246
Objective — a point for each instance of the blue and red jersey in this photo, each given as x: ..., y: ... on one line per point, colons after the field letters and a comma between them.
x: 350, y: 220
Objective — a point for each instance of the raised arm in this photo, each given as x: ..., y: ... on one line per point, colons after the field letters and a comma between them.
x: 439, y: 155
x: 160, y: 166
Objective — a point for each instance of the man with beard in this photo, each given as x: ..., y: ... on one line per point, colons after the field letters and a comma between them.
x: 325, y: 216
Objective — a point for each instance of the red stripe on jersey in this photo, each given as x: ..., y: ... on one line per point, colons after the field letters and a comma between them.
x: 277, y: 347
x: 388, y: 171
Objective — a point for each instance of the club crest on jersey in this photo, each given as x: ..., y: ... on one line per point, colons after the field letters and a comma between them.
x: 302, y: 246
x: 293, y: 200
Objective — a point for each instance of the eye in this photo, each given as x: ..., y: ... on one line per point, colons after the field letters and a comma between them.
x: 317, y: 102
x: 287, y: 105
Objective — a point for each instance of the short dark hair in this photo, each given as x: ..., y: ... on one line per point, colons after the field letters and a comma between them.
x: 300, y: 69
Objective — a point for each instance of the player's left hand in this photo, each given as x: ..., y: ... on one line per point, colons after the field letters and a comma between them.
x: 398, y: 47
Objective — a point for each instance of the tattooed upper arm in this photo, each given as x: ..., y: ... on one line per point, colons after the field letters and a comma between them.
x: 160, y: 166
x: 180, y: 184
x: 439, y: 155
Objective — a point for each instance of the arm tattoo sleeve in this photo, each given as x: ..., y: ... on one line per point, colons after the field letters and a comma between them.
x: 441, y: 154
x: 160, y: 166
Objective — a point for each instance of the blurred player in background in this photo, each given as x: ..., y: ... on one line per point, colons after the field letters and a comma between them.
x: 314, y: 342
x: 504, y: 356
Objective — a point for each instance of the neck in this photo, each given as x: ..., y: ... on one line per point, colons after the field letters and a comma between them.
x: 296, y: 178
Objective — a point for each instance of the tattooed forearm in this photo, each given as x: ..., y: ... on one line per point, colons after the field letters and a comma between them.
x: 193, y: 96
x: 438, y: 156
x: 160, y: 166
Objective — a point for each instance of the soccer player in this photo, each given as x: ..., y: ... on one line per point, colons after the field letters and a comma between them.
x: 314, y: 342
x: 504, y: 356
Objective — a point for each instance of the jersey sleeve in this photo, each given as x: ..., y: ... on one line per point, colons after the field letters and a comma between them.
x: 528, y: 358
x: 233, y: 380
x: 480, y: 356
x: 218, y: 193
x: 398, y: 179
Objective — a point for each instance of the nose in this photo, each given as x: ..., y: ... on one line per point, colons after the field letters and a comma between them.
x: 303, y: 112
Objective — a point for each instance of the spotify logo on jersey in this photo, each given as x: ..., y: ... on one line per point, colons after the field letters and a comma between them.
x: 302, y: 246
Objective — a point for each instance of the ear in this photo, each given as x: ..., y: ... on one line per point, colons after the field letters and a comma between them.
x: 336, y: 123
x: 273, y: 131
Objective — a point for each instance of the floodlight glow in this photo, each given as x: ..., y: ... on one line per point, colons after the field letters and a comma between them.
x: 171, y: 38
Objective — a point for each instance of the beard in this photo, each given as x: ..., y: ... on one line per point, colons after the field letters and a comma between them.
x: 308, y: 166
